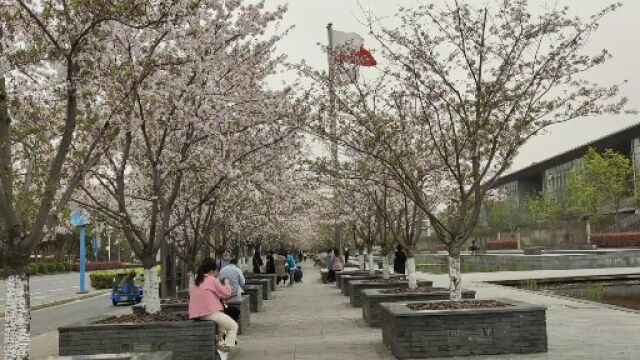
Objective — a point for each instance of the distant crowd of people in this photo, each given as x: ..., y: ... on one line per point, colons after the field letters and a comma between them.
x: 333, y: 261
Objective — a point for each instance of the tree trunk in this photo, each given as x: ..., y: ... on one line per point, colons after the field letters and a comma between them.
x: 192, y: 279
x: 455, y: 279
x: 411, y: 272
x: 386, y: 273
x: 361, y: 260
x: 18, y: 316
x: 372, y: 269
x: 150, y: 296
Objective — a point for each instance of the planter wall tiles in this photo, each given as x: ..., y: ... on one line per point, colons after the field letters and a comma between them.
x: 355, y: 287
x: 520, y: 328
x: 188, y: 340
x: 371, y: 299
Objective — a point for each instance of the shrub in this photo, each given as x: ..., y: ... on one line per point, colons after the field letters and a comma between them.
x: 60, y: 267
x: 529, y: 284
x: 103, y: 279
x: 33, y: 268
x: 628, y: 239
x: 67, y: 266
x: 51, y: 267
x: 502, y: 244
x: 42, y: 268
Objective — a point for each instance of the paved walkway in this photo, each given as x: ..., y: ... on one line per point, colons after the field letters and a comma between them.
x: 314, y: 321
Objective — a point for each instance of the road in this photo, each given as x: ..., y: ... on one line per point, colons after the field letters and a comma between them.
x: 49, y: 319
x: 48, y: 288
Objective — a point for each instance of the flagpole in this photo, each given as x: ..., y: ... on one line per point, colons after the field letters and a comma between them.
x: 337, y: 236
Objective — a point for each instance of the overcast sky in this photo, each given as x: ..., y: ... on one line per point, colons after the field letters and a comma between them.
x: 619, y: 33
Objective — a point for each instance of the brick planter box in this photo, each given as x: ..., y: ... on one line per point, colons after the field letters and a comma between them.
x: 356, y: 287
x: 192, y: 340
x: 339, y: 276
x: 344, y: 288
x: 255, y: 292
x: 273, y: 279
x: 245, y: 311
x: 518, y: 329
x: 346, y: 283
x: 156, y: 355
x: 371, y: 299
x: 266, y: 286
x: 243, y: 305
x: 324, y: 276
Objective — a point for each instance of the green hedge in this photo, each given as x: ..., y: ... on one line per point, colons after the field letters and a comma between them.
x: 103, y: 279
x: 47, y: 268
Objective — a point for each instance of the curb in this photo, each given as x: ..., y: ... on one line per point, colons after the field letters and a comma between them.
x: 64, y: 301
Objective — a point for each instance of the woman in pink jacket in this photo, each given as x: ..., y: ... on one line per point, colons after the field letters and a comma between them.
x: 337, y: 260
x: 205, y: 303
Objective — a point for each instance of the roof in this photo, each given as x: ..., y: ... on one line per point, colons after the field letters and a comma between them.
x: 613, y: 140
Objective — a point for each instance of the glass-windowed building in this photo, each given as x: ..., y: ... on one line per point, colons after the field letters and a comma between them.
x: 552, y: 175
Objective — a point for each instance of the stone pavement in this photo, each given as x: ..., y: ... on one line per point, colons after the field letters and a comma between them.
x: 313, y: 321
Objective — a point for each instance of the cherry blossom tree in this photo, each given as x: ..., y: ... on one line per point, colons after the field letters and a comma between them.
x: 464, y: 89
x: 204, y: 112
x: 50, y: 131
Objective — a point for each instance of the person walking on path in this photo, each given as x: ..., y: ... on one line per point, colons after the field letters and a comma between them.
x: 280, y: 268
x: 257, y: 262
x: 329, y: 264
x: 234, y: 275
x: 399, y: 261
x: 205, y: 303
x: 337, y: 261
x: 346, y: 256
x: 291, y: 262
x: 271, y: 263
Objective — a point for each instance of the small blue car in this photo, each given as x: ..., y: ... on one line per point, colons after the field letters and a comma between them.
x: 124, y: 290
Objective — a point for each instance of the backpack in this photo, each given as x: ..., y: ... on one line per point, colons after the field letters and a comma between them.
x: 297, y: 276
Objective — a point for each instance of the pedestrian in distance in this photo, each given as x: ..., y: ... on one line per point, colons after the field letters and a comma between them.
x: 337, y: 261
x: 291, y: 262
x: 257, y: 262
x: 329, y: 264
x: 280, y: 268
x: 399, y: 261
x: 271, y: 263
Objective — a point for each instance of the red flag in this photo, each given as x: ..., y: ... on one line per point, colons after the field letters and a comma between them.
x: 348, y: 48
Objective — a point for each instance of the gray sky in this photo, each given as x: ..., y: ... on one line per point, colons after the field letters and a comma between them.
x: 619, y: 33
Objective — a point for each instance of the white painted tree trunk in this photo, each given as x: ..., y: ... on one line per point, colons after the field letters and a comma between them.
x: 151, y: 296
x: 386, y: 273
x: 372, y: 269
x: 455, y: 279
x: 361, y: 260
x: 192, y: 279
x: 411, y: 272
x: 18, y: 317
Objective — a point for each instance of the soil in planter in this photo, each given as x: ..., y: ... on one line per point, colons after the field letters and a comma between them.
x: 418, y: 290
x: 144, y: 318
x: 459, y: 305
x: 372, y: 281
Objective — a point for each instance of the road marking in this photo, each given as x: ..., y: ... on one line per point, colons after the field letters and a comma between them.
x: 55, y: 290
